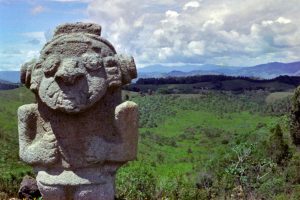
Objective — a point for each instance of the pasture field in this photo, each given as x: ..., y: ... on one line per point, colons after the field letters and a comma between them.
x: 210, y: 146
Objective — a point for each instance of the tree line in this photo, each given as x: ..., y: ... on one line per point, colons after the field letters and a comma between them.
x: 291, y: 80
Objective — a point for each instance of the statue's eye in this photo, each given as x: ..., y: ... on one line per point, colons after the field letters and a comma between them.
x: 110, y: 62
x: 50, y: 65
x: 92, y: 61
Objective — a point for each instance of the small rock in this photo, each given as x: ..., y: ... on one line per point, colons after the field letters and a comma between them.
x: 29, y: 189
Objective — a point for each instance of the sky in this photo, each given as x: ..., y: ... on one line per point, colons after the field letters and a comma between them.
x: 167, y: 32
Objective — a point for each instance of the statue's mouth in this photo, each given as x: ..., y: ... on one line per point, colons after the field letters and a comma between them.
x: 72, y: 100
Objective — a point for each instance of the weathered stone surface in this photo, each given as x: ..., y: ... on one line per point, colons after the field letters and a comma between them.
x: 78, y: 27
x: 29, y: 189
x: 79, y: 132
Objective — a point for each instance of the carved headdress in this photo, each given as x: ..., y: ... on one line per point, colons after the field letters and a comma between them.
x: 120, y: 69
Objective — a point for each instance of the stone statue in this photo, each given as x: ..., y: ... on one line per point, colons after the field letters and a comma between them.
x: 78, y: 133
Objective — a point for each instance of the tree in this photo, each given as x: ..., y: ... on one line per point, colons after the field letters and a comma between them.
x: 295, y: 117
x: 277, y: 148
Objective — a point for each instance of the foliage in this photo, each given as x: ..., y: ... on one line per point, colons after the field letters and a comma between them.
x: 247, y: 170
x: 292, y: 171
x: 138, y: 185
x: 295, y: 117
x: 278, y: 150
x: 223, y: 140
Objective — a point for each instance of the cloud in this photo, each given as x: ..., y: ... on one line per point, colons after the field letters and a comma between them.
x: 12, y: 59
x: 231, y: 32
x: 13, y: 55
x: 37, y: 9
x: 191, y: 4
x: 283, y: 20
x: 35, y: 38
x: 196, y: 48
x: 34, y: 41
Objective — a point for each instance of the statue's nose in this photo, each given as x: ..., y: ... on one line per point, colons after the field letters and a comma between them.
x: 69, y: 72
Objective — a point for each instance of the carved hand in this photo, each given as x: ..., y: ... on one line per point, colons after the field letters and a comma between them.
x: 126, y: 123
x: 44, y: 150
x: 33, y: 149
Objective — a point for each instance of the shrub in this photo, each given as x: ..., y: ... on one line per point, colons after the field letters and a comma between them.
x: 296, y: 193
x: 278, y: 150
x: 163, y: 91
x: 136, y: 181
x: 247, y: 171
x: 271, y: 187
x: 204, y: 180
x: 180, y: 188
x: 295, y: 117
x: 293, y: 169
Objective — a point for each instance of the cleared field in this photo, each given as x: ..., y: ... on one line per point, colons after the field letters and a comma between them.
x: 275, y: 96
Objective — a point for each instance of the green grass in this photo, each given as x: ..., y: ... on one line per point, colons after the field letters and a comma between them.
x: 182, y: 136
x: 10, y: 100
x: 177, y: 159
x: 11, y: 168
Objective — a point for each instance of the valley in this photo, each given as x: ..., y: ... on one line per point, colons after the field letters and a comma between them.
x: 189, y: 146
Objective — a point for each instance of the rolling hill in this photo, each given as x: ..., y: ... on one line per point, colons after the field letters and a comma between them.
x: 6, y: 85
x: 11, y: 76
x: 268, y: 70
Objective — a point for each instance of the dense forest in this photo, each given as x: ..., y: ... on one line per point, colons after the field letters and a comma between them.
x: 292, y: 80
x: 4, y: 85
x: 196, y: 84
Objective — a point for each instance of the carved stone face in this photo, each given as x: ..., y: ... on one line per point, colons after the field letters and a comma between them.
x: 73, y: 77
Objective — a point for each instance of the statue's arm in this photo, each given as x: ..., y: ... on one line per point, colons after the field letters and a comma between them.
x: 126, y: 123
x: 34, y: 150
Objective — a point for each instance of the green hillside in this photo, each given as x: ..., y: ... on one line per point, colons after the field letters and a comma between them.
x: 193, y: 146
x: 11, y: 169
x: 190, y: 146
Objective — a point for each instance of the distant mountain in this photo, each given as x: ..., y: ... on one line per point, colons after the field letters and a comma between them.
x: 184, y: 68
x: 7, y: 85
x: 269, y: 70
x: 11, y: 76
x: 6, y: 82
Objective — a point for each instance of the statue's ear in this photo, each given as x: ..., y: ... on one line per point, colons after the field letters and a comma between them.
x: 26, y: 70
x: 128, y: 68
x: 120, y: 70
x: 113, y: 72
x: 31, y: 75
